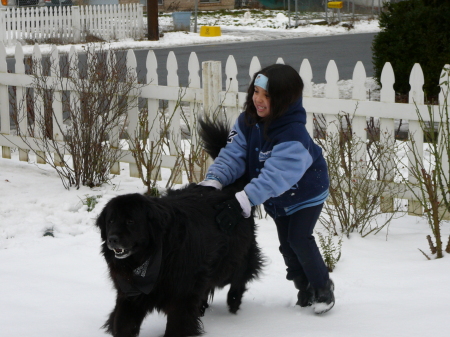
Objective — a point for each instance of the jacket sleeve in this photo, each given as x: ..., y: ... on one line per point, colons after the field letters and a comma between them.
x: 230, y: 164
x: 282, y: 170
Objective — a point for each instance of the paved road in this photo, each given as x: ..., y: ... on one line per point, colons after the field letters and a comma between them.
x: 345, y: 50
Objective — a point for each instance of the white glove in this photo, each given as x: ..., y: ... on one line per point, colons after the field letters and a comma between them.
x: 245, y: 203
x: 211, y: 183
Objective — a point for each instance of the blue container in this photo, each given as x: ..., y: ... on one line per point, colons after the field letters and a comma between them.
x: 182, y: 21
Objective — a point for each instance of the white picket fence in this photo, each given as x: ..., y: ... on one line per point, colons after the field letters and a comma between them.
x: 206, y: 89
x: 71, y: 23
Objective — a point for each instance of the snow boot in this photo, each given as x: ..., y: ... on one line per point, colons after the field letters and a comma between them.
x: 324, y: 298
x: 305, y: 294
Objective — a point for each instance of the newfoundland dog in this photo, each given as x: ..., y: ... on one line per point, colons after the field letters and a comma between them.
x: 169, y: 254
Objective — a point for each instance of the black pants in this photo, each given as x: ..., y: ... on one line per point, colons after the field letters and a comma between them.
x: 299, y: 248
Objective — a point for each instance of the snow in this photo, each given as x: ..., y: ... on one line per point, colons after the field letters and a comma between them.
x: 58, y: 286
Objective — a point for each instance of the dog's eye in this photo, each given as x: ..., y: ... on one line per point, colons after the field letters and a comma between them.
x: 130, y: 222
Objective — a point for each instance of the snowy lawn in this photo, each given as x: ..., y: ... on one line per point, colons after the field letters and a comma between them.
x: 59, y: 286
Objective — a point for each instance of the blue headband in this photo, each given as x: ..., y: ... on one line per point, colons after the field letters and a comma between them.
x: 261, y: 81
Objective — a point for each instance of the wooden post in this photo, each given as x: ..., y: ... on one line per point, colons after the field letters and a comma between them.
x: 152, y: 20
x: 76, y: 24
x: 212, y: 85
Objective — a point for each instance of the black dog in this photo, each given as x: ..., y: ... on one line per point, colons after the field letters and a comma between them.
x: 168, y: 254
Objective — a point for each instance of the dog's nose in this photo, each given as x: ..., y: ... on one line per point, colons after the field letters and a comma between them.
x: 113, y: 240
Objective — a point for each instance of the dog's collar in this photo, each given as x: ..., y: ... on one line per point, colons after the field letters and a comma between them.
x: 144, y: 277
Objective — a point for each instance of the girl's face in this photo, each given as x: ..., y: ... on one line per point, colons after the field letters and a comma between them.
x: 261, y: 100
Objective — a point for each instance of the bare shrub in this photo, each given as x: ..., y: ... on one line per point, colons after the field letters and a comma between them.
x: 80, y: 110
x: 360, y: 178
x: 156, y: 138
x: 431, y: 173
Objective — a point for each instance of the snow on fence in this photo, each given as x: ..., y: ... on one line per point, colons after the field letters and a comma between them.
x: 212, y: 95
x: 71, y: 23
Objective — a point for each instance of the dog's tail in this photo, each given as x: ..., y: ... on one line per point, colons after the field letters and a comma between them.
x: 214, y: 134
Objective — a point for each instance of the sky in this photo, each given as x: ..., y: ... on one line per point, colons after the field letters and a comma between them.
x: 58, y: 285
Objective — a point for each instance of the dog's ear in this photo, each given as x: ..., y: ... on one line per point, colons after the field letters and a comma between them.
x: 158, y: 214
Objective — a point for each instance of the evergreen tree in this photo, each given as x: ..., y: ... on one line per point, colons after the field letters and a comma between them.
x: 413, y: 31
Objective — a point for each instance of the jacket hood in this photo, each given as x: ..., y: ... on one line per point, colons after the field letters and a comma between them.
x: 295, y: 113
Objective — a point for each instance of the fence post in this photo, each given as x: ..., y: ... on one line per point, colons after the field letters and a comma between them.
x: 140, y: 22
x: 3, y: 26
x: 212, y: 85
x: 76, y: 24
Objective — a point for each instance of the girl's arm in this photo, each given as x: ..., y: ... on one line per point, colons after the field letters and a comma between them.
x: 231, y: 162
x: 282, y: 170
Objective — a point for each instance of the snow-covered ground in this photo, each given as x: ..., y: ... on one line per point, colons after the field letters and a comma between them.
x: 58, y: 285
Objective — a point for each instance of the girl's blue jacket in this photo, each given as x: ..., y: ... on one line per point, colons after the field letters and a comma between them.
x: 286, y: 169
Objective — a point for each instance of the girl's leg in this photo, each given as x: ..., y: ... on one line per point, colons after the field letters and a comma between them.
x: 294, y: 268
x: 299, y: 248
x: 296, y: 232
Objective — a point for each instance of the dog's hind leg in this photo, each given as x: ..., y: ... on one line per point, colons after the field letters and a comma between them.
x: 234, y: 298
x: 242, y: 275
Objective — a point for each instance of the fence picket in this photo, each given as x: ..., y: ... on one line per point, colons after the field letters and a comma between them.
x: 4, y: 102
x: 306, y: 74
x: 387, y: 162
x: 152, y: 103
x: 416, y: 80
x: 387, y: 132
x: 359, y: 125
x: 332, y: 91
x: 255, y: 66
x: 415, y: 141
x: 194, y: 82
x: 387, y: 92
x: 133, y: 112
x: 332, y: 77
x: 21, y: 108
x: 152, y: 108
x: 359, y: 82
x: 232, y: 86
x: 39, y: 114
x: 56, y: 104
x: 173, y: 112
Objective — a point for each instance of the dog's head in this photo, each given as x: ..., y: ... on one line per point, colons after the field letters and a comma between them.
x: 131, y: 223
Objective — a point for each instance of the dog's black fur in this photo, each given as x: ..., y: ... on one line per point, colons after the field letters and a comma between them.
x: 196, y: 255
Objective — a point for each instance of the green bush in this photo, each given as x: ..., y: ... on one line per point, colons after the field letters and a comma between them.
x: 413, y: 31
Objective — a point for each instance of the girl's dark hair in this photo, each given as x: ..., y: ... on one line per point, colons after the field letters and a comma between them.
x: 285, y: 87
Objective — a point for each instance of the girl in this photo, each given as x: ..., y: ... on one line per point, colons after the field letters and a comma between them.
x: 287, y: 173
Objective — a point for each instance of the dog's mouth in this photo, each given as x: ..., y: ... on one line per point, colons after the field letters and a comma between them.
x: 121, y: 253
